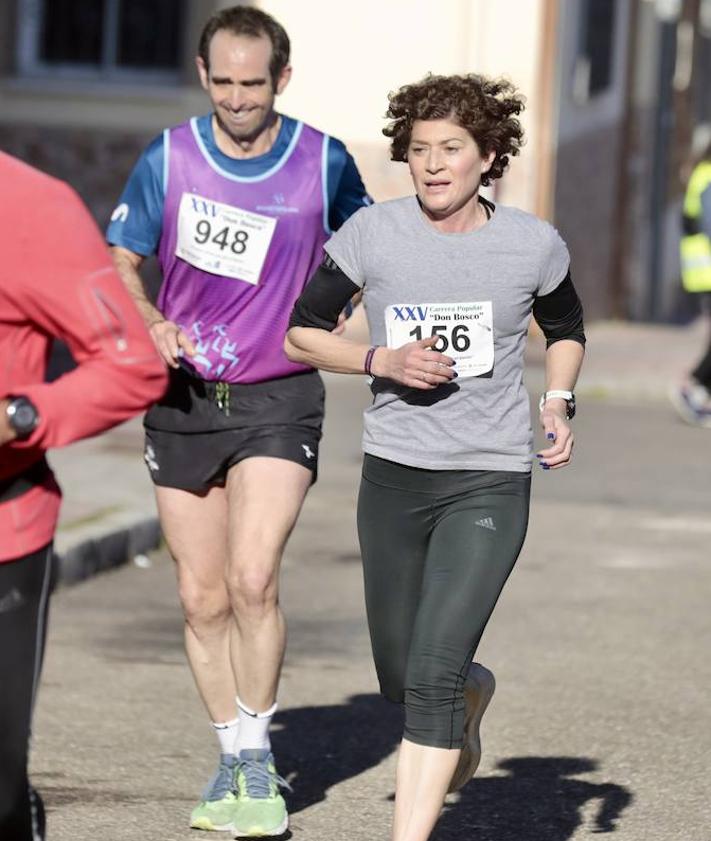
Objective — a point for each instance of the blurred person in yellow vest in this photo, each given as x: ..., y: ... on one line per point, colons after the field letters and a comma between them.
x: 692, y: 399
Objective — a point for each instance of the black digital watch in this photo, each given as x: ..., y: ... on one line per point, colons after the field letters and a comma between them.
x: 22, y: 415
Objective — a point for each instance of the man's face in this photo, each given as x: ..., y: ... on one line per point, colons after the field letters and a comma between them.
x: 239, y: 83
x: 446, y: 165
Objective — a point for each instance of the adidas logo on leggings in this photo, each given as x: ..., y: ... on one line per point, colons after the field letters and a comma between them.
x: 486, y: 523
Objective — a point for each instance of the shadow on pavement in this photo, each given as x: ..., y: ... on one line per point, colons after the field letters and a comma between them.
x: 537, y: 801
x: 319, y: 747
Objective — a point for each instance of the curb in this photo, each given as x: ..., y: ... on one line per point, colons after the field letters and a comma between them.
x: 107, y: 551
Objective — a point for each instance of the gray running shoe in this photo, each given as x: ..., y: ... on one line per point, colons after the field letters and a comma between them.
x: 261, y: 810
x: 478, y: 690
x: 693, y: 404
x: 216, y: 810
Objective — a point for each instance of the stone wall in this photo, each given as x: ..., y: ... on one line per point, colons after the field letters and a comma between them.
x: 96, y: 163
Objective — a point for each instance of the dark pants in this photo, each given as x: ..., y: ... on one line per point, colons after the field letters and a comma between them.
x: 702, y: 372
x: 437, y: 547
x: 25, y: 585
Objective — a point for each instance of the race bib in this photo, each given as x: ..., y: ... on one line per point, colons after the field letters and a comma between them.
x: 466, y: 332
x: 222, y: 239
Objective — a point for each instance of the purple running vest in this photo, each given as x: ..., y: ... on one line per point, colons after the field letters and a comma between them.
x: 237, y: 327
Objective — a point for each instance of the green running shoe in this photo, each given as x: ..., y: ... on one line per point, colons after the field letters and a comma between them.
x: 261, y: 809
x: 479, y: 686
x: 216, y: 810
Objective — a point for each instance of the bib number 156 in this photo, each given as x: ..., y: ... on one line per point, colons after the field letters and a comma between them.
x: 459, y: 337
x: 464, y: 331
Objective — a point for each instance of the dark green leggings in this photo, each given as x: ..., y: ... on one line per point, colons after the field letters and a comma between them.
x: 437, y: 547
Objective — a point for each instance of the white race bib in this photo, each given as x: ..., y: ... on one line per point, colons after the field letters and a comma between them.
x: 466, y: 332
x: 222, y: 239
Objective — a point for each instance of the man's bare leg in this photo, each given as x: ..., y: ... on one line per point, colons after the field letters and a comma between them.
x: 195, y: 529
x: 265, y: 496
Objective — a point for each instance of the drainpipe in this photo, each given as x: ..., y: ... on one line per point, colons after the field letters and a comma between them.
x: 668, y: 12
x: 546, y: 128
x: 619, y: 287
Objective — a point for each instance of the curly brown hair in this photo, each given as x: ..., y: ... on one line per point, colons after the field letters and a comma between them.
x: 486, y: 108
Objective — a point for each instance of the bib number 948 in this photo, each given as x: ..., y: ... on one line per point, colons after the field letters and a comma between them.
x: 222, y: 239
x: 235, y: 239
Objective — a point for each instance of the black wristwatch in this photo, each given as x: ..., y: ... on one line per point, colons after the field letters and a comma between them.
x: 22, y: 416
x: 568, y: 396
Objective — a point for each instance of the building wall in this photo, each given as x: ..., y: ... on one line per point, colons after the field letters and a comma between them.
x: 341, y: 80
x: 344, y: 67
x: 589, y: 142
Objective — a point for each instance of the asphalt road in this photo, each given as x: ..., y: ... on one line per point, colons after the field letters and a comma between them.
x: 600, y: 644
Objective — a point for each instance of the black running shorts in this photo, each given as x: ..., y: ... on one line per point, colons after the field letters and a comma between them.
x: 200, y: 429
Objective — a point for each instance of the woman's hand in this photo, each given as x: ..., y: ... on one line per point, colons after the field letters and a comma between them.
x: 169, y: 340
x: 415, y: 365
x: 558, y: 433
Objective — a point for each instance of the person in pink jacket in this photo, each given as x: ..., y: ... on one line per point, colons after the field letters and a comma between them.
x: 56, y: 281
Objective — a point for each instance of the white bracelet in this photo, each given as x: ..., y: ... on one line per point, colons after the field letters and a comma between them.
x: 568, y: 396
x: 564, y: 395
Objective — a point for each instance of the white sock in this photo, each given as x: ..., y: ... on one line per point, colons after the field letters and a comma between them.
x: 253, y: 728
x: 227, y: 734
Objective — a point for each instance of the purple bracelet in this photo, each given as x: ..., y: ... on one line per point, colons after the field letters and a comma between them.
x: 369, y: 360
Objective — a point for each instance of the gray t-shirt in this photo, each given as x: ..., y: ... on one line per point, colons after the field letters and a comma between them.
x: 421, y: 281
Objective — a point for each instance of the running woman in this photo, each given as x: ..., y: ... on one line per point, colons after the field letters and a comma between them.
x: 237, y: 205
x: 449, y: 284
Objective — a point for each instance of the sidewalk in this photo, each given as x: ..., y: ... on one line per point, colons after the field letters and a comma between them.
x: 108, y: 516
x: 633, y: 363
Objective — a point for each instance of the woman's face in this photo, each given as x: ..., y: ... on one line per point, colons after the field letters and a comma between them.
x: 446, y: 166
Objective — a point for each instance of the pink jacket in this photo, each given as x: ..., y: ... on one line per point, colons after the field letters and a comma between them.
x: 57, y: 280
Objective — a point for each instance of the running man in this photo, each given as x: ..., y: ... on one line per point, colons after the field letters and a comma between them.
x: 237, y: 205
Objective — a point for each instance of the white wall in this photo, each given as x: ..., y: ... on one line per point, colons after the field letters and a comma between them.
x: 347, y: 56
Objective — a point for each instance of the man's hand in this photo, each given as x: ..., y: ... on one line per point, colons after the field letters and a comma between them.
x: 558, y: 433
x: 415, y: 365
x: 169, y: 340
x: 7, y: 433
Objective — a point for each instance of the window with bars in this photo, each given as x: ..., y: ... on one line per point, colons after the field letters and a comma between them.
x: 103, y: 39
x: 596, y: 41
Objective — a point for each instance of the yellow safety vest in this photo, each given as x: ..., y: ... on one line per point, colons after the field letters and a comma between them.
x: 695, y: 245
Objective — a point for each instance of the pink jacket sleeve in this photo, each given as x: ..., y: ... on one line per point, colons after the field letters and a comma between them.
x: 70, y: 289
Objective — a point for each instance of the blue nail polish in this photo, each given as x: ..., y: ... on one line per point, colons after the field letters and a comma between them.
x: 551, y: 436
x: 545, y: 466
x: 538, y: 455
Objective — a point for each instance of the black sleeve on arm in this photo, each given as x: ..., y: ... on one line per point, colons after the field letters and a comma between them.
x: 323, y: 298
x: 560, y: 314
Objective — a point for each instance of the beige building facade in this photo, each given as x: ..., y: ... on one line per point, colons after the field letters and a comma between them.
x: 81, y: 94
x: 346, y: 58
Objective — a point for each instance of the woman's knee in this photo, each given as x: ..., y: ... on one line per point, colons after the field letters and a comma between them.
x: 390, y: 667
x: 391, y: 688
